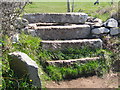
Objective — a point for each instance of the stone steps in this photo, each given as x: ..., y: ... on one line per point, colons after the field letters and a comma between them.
x: 56, y: 17
x: 63, y: 44
x: 61, y: 32
x: 71, y: 61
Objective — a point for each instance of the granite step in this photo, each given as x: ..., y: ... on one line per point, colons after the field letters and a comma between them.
x: 71, y: 61
x: 67, y: 32
x: 56, y: 17
x: 64, y: 44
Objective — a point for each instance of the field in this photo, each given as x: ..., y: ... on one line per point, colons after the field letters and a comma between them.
x: 61, y: 7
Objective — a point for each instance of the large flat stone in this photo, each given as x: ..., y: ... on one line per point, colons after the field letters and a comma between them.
x: 62, y: 32
x: 63, y: 44
x: 56, y: 17
x: 71, y: 61
x: 23, y: 65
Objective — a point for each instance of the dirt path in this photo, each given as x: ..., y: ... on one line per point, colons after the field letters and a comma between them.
x: 108, y: 81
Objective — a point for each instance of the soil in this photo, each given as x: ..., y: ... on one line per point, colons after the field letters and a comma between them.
x: 107, y: 81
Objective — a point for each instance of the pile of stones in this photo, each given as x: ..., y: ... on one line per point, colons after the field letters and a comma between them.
x: 108, y: 27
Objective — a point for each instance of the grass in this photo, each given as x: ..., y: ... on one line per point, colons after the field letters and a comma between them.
x: 60, y: 7
x: 67, y: 54
x: 70, y: 53
x: 28, y: 45
x: 31, y: 46
x: 77, y: 70
x: 99, y: 67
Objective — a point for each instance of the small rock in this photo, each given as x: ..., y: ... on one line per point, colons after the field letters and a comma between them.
x: 15, y: 38
x: 23, y: 65
x: 111, y: 23
x: 114, y: 31
x: 32, y: 26
x: 21, y: 23
x: 32, y: 32
x: 97, y: 22
x: 100, y: 30
x: 90, y: 19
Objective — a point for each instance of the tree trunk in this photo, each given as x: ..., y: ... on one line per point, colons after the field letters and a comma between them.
x: 73, y: 6
x: 68, y: 6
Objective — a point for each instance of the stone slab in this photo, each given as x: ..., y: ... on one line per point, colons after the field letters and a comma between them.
x: 62, y: 32
x: 56, y: 17
x: 71, y: 61
x: 63, y: 44
x: 23, y: 65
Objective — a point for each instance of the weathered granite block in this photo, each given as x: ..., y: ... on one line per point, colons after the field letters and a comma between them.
x: 63, y: 44
x: 56, y: 17
x: 62, y: 32
x: 23, y: 65
x: 71, y: 61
